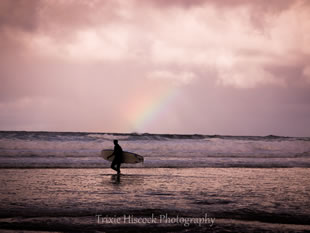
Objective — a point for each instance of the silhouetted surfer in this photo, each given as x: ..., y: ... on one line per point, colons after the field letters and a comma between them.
x: 118, y: 153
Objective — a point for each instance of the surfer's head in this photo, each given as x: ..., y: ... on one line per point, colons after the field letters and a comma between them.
x: 115, y: 142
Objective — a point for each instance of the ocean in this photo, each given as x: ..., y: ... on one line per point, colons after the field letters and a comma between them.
x: 56, y: 182
x: 82, y: 150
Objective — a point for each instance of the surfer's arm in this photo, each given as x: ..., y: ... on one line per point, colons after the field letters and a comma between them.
x: 111, y: 154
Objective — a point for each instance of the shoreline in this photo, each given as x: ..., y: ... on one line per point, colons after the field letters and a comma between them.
x: 163, y: 167
x: 239, y: 199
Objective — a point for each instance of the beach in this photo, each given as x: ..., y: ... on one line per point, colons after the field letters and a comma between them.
x: 155, y: 200
x: 57, y: 182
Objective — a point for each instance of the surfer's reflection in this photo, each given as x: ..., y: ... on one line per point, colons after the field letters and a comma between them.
x: 123, y: 180
x: 116, y: 179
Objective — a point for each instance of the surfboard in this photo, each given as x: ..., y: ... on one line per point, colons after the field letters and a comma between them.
x: 128, y: 157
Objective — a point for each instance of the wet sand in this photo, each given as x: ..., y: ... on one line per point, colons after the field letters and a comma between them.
x: 156, y: 200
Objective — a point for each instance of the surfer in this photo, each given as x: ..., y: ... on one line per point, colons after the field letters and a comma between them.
x: 118, y: 152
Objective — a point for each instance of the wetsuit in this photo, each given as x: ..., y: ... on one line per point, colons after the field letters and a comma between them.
x: 118, y: 153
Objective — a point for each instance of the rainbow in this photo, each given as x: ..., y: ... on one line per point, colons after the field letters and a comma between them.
x: 146, y: 108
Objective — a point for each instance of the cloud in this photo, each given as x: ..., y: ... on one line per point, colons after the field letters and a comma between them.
x: 197, y: 36
x: 277, y: 5
x: 244, y: 76
x: 306, y: 73
x: 101, y: 51
x: 183, y: 77
x: 200, y: 35
x: 20, y: 14
x: 206, y: 40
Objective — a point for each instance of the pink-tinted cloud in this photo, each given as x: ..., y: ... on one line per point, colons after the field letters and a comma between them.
x: 63, y: 59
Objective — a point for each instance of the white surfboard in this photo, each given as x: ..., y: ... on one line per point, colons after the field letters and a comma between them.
x: 128, y: 157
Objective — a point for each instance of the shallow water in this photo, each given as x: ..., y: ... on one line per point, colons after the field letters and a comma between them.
x: 247, y: 199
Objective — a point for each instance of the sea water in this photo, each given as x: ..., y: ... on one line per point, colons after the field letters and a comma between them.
x: 242, y: 184
x: 81, y: 150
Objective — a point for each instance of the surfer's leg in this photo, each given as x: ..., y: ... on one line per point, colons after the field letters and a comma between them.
x: 113, y: 165
x: 118, y: 168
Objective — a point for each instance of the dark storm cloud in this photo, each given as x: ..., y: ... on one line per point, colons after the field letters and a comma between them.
x: 19, y: 14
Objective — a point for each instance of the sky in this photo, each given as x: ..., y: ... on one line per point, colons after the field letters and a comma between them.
x: 156, y: 66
